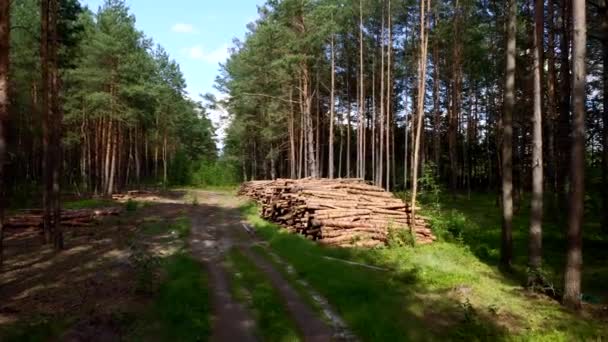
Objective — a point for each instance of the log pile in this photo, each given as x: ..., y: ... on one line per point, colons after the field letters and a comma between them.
x: 70, y: 218
x: 337, y: 212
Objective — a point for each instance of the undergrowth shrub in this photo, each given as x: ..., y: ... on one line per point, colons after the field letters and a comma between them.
x: 400, y: 237
x: 131, y: 206
x: 219, y: 173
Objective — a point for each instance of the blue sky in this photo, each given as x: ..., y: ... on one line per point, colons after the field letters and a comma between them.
x: 196, y: 33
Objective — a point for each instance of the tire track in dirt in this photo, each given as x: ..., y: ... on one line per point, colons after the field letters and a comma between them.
x: 216, y: 228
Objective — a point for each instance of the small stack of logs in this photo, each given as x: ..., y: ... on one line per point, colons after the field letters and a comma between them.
x: 337, y: 212
x: 70, y: 218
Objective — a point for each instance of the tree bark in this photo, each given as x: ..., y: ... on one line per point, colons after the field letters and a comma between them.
x: 605, y: 116
x: 388, y: 96
x: 310, y: 142
x: 506, y: 251
x: 422, y: 62
x: 574, y: 258
x: 380, y: 170
x: 436, y: 109
x: 5, y: 28
x: 563, y: 128
x: 57, y: 125
x: 551, y: 113
x: 46, y: 129
x: 332, y: 109
x: 456, y: 99
x: 361, y: 144
x: 536, y: 212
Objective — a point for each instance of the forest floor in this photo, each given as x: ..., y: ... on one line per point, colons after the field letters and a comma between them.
x: 195, y: 265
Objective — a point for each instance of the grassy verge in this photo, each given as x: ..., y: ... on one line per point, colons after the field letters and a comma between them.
x: 431, y: 292
x: 251, y: 287
x: 292, y: 279
x: 178, y: 287
x: 88, y: 203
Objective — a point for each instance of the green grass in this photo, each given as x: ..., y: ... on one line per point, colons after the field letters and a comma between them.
x: 179, y: 227
x: 438, y: 291
x: 180, y: 309
x: 88, y: 203
x: 251, y: 287
x: 478, y: 219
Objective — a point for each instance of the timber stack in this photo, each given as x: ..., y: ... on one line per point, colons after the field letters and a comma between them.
x: 70, y: 218
x: 336, y: 212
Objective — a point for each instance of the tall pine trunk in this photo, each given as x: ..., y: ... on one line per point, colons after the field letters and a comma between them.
x: 551, y: 113
x: 506, y: 251
x: 361, y: 130
x: 605, y: 116
x: 57, y: 125
x: 563, y: 124
x: 422, y: 62
x: 574, y: 258
x: 536, y: 212
x: 47, y: 151
x: 389, y: 94
x: 380, y: 171
x: 5, y: 27
x: 332, y: 109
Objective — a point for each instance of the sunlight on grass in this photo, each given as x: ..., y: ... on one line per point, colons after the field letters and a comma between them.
x: 431, y: 292
x: 88, y: 203
x: 252, y: 288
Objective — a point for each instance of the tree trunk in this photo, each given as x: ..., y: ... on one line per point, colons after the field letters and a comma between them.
x: 292, y: 138
x: 310, y: 143
x: 332, y: 109
x: 605, y: 117
x: 389, y: 94
x: 349, y: 124
x: 113, y: 147
x: 422, y: 62
x: 5, y: 27
x: 165, y: 159
x: 456, y: 99
x: 551, y: 114
x: 57, y: 123
x: 380, y: 171
x: 536, y: 211
x: 563, y: 128
x: 436, y: 110
x: 46, y: 122
x: 361, y: 148
x: 574, y: 259
x: 506, y: 251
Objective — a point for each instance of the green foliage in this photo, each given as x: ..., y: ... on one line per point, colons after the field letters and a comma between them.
x: 182, y: 303
x: 181, y: 310
x: 131, y: 206
x: 400, y: 237
x: 250, y: 286
x: 214, y: 174
x: 431, y: 188
x: 450, y: 225
x: 146, y: 266
x: 180, y: 169
x: 88, y: 203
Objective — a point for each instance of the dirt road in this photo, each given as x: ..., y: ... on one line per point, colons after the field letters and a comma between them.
x: 217, y: 227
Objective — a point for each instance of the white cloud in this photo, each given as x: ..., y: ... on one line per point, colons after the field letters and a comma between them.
x: 184, y: 28
x: 216, y: 56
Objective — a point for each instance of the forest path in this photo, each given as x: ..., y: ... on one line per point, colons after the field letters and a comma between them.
x: 217, y: 227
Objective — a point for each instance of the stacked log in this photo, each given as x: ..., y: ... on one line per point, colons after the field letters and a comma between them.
x: 71, y: 218
x: 338, y: 212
